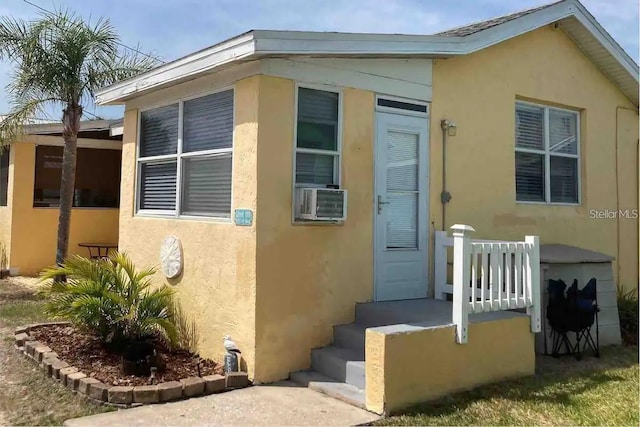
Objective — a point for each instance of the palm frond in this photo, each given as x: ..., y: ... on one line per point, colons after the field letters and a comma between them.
x: 111, y: 298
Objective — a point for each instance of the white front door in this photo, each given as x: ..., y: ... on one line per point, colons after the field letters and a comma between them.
x: 401, y: 206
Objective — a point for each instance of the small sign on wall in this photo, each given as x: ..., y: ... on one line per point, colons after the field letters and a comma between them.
x: 243, y: 217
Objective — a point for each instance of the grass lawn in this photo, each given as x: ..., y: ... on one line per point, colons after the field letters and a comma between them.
x: 563, y: 392
x: 27, y: 396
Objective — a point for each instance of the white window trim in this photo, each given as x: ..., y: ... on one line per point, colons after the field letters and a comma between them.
x: 548, y: 154
x: 156, y: 213
x: 337, y: 154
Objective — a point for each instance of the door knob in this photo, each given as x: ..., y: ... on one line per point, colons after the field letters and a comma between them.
x: 380, y: 203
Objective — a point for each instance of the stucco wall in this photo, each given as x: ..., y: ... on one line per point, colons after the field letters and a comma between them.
x: 309, y: 276
x: 478, y: 93
x: 34, y: 230
x: 217, y: 287
x: 409, y: 367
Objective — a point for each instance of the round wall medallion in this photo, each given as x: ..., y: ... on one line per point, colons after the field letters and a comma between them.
x: 171, y: 257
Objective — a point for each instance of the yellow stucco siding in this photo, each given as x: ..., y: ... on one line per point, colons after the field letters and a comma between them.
x: 416, y: 366
x: 33, y: 233
x: 478, y: 93
x: 218, y: 285
x: 309, y: 276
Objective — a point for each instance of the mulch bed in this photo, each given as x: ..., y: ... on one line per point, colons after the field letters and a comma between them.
x: 85, y: 352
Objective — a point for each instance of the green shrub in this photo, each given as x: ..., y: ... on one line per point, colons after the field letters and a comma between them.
x: 112, y: 299
x: 628, y: 312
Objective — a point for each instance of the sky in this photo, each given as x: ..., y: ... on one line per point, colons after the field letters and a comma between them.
x: 174, y: 28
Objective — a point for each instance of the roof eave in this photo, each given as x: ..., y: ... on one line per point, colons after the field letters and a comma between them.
x: 241, y: 47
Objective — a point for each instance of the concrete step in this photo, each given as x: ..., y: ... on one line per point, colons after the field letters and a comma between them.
x: 349, y: 336
x: 331, y: 387
x: 339, y: 363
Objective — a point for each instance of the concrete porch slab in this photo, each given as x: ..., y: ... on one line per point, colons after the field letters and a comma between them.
x: 280, y: 404
x: 418, y: 314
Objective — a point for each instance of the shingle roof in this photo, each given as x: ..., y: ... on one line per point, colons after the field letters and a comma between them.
x: 469, y: 29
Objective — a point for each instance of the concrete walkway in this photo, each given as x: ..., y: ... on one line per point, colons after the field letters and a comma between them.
x: 280, y: 404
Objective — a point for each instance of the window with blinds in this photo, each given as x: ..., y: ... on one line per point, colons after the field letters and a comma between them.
x: 4, y: 175
x: 547, y: 154
x: 184, y: 166
x: 317, y: 141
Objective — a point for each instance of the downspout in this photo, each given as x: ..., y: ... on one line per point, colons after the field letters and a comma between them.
x: 618, y: 108
x: 445, y: 196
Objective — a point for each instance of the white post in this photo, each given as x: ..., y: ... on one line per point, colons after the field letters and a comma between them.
x: 440, y: 265
x: 461, y: 277
x: 533, y: 272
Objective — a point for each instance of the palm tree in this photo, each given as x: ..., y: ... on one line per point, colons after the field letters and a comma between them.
x: 61, y: 60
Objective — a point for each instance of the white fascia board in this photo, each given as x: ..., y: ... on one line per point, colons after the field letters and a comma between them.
x: 605, y: 39
x: 240, y: 47
x: 325, y: 44
x: 57, y: 127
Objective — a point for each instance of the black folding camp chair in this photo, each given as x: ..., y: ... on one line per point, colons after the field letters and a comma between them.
x: 574, y: 312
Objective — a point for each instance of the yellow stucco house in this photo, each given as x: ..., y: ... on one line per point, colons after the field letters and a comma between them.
x: 30, y: 173
x: 299, y: 179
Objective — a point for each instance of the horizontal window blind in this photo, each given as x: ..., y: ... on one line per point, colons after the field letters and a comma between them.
x: 159, y: 131
x: 158, y: 186
x: 563, y: 135
x: 206, y: 189
x: 4, y: 175
x: 317, y: 105
x: 564, y: 179
x: 530, y: 177
x: 315, y: 168
x: 208, y: 122
x: 402, y: 161
x: 529, y: 127
x: 402, y: 221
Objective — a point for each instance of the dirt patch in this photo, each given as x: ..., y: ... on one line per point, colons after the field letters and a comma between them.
x: 85, y: 352
x: 19, y: 288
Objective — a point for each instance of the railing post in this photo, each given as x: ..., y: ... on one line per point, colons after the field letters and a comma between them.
x: 461, y: 277
x: 533, y: 273
x: 440, y: 265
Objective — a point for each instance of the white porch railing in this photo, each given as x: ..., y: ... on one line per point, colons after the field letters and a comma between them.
x: 488, y: 275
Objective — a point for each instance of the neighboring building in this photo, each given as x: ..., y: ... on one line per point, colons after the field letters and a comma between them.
x: 30, y: 173
x: 545, y: 107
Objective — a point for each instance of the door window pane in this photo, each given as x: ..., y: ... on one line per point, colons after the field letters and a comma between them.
x: 402, y: 161
x: 402, y: 190
x: 402, y: 221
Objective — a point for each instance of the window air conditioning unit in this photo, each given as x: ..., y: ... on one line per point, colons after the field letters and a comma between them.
x: 321, y: 204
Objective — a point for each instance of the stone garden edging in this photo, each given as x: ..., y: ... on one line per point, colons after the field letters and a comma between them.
x: 120, y: 396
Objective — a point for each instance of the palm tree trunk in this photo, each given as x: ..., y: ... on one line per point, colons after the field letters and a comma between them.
x: 71, y: 121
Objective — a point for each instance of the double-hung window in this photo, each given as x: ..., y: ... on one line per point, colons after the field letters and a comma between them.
x: 185, y: 155
x: 318, y: 138
x: 547, y: 154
